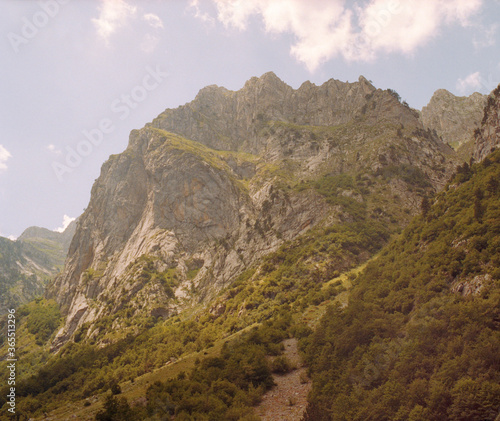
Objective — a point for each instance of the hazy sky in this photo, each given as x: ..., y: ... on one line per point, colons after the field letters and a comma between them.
x: 77, y: 76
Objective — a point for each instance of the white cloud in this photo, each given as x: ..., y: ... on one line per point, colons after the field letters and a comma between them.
x: 153, y: 20
x: 52, y: 148
x: 149, y: 40
x: 66, y: 221
x: 205, y: 17
x: 325, y: 29
x: 394, y: 26
x: 473, y: 81
x: 4, y: 157
x: 113, y: 14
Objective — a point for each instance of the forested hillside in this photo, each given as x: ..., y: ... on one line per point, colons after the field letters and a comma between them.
x: 420, y: 338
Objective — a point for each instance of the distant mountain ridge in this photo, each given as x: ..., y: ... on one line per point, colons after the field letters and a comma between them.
x: 454, y: 118
x: 29, y: 262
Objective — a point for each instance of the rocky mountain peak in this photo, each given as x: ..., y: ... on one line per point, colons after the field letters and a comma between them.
x: 453, y: 118
x: 267, y: 80
x: 233, y: 120
x: 366, y: 84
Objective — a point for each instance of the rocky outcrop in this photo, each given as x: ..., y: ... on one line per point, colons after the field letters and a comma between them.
x: 454, y: 118
x: 183, y: 208
x: 208, y: 189
x: 487, y: 138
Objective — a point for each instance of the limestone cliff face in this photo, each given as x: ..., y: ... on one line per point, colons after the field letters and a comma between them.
x: 454, y: 118
x: 228, y: 120
x: 209, y: 188
x: 487, y: 138
x: 188, y: 211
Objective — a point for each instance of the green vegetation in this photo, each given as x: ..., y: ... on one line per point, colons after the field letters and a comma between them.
x: 343, y: 190
x: 291, y: 278
x: 408, y: 173
x: 43, y: 319
x: 236, y: 337
x: 419, y: 339
x: 224, y: 387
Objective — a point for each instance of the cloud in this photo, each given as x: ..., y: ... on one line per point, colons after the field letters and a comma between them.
x: 10, y: 237
x: 149, y: 40
x: 149, y: 43
x: 391, y: 26
x: 66, y: 221
x: 153, y: 20
x: 4, y: 157
x: 205, y: 17
x: 325, y: 29
x: 486, y: 37
x: 473, y: 81
x: 52, y: 148
x: 113, y: 15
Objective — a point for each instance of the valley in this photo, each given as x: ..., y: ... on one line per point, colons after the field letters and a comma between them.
x: 250, y: 232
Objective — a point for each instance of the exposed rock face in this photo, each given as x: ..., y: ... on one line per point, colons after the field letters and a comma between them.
x: 227, y: 120
x: 171, y: 221
x: 454, y: 118
x: 488, y: 136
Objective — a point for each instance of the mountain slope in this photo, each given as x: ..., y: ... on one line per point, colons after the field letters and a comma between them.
x: 420, y: 336
x: 177, y: 216
x: 29, y: 262
x: 229, y: 120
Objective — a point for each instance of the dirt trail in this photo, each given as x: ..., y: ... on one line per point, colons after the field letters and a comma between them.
x: 287, y: 400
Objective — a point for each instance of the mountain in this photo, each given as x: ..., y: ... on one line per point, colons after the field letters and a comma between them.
x: 420, y: 335
x: 208, y: 189
x: 225, y: 231
x: 54, y: 244
x: 29, y: 262
x: 454, y: 118
x: 419, y: 339
x: 487, y: 138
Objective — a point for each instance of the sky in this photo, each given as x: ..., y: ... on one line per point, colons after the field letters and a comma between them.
x: 77, y: 76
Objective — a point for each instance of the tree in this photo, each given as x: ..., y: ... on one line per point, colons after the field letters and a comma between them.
x: 425, y: 206
x: 115, y: 409
x: 478, y: 207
